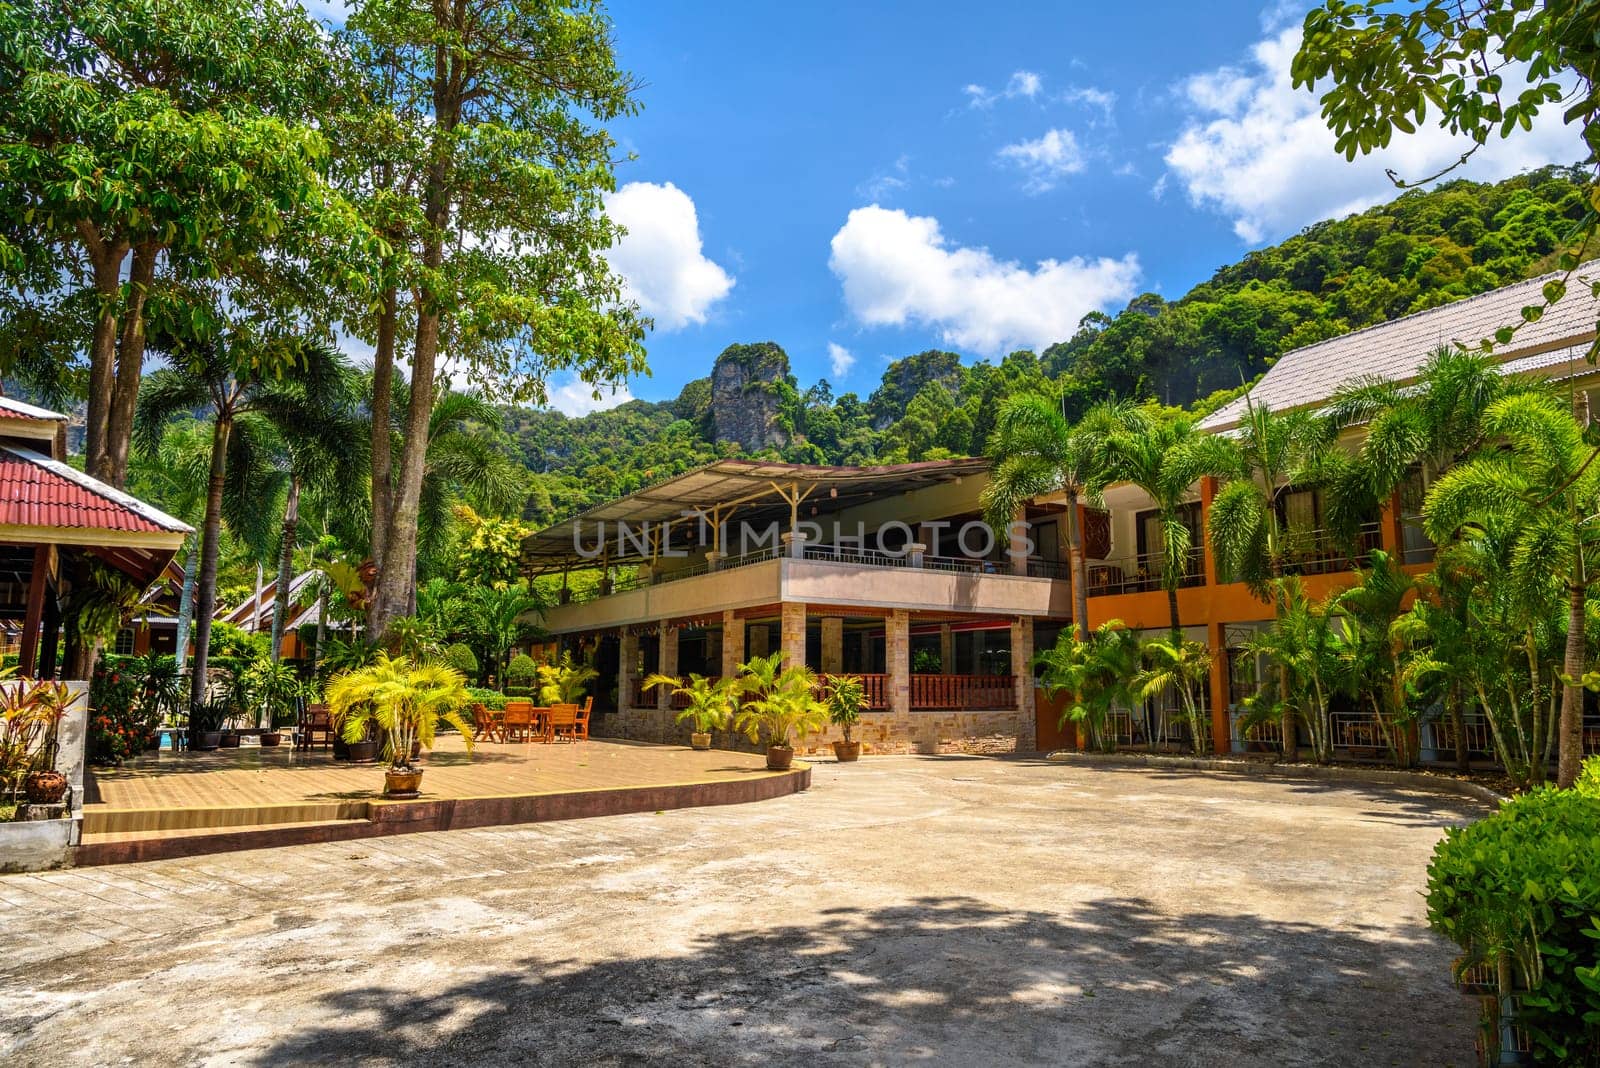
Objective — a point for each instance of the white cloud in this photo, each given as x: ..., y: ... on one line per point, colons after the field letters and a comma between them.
x: 1046, y: 159
x: 897, y: 269
x: 840, y: 359
x: 334, y: 11
x: 1102, y: 100
x: 886, y: 183
x: 572, y: 396
x: 661, y: 255
x: 1257, y: 150
x: 1023, y: 83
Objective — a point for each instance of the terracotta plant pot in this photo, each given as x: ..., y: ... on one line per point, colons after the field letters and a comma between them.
x: 401, y: 784
x: 846, y: 752
x: 271, y: 738
x: 44, y: 787
x: 230, y: 739
x: 779, y: 757
x: 700, y: 741
x: 363, y: 752
x: 205, y: 741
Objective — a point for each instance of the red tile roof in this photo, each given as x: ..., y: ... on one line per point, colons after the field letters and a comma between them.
x: 36, y: 491
x: 12, y: 408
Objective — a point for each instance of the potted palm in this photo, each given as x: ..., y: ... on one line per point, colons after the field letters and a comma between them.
x: 405, y: 701
x: 273, y: 688
x: 784, y: 709
x: 846, y: 697
x: 710, y: 706
x: 205, y: 724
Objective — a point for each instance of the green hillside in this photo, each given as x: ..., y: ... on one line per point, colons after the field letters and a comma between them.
x: 1422, y: 249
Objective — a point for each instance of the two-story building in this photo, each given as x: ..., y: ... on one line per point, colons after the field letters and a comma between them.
x: 888, y: 573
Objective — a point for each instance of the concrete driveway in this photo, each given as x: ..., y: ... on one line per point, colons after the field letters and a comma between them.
x: 904, y: 910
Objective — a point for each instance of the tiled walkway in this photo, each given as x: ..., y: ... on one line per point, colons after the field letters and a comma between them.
x: 278, y: 776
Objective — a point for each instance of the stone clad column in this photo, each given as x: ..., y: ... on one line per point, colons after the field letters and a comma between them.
x: 627, y: 666
x: 732, y: 643
x: 1022, y: 668
x: 669, y: 663
x: 794, y: 633
x: 947, y: 650
x: 832, y: 645
x: 897, y: 654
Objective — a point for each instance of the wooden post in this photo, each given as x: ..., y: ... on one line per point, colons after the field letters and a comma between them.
x: 38, y: 579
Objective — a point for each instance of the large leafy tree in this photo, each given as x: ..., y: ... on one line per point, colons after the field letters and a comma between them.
x: 1538, y: 486
x: 150, y: 137
x: 499, y: 233
x: 1036, y: 451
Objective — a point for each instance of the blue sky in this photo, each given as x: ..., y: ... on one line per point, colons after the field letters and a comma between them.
x: 861, y: 181
x: 1134, y: 146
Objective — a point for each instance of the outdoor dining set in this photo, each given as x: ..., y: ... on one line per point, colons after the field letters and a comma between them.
x: 519, y: 721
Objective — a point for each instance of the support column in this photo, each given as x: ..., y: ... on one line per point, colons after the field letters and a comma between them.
x: 1217, y: 633
x: 1022, y: 669
x: 832, y: 645
x: 669, y: 664
x: 627, y: 666
x: 732, y: 643
x: 794, y: 633
x: 1017, y: 558
x: 897, y: 654
x: 947, y: 649
x: 38, y: 580
x: 1391, y: 538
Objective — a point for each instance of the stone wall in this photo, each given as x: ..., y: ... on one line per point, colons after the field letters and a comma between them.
x: 999, y: 731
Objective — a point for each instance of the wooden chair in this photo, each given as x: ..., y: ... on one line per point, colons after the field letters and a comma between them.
x: 562, y: 722
x: 519, y: 721
x: 583, y: 718
x: 314, y: 720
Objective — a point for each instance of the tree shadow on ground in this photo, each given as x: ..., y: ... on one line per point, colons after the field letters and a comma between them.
x: 938, y: 981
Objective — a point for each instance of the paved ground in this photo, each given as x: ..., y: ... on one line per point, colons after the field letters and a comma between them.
x: 927, y: 910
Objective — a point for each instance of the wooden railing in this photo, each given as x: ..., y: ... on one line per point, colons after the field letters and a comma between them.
x: 930, y: 692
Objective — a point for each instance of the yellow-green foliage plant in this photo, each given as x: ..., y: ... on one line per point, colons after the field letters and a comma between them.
x: 711, y: 703
x: 564, y: 681
x: 405, y: 700
x: 785, y: 707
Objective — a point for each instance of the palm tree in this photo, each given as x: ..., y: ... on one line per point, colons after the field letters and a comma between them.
x: 1097, y: 671
x: 495, y: 618
x: 1427, y: 426
x: 1305, y: 645
x: 1175, y: 663
x: 1369, y: 610
x: 227, y: 375
x: 1037, y: 451
x: 405, y: 700
x: 785, y: 706
x: 1249, y: 535
x: 321, y: 445
x: 1541, y: 484
x: 1165, y: 458
x: 175, y: 475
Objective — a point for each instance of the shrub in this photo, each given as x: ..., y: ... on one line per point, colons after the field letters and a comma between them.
x: 493, y: 699
x: 1522, y: 888
x: 1589, y: 778
x: 521, y: 671
x: 118, y: 727
x: 462, y: 659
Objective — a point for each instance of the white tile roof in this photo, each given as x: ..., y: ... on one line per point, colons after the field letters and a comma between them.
x: 1397, y: 349
x: 22, y: 409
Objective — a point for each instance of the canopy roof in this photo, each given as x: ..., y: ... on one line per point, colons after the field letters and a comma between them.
x: 752, y: 491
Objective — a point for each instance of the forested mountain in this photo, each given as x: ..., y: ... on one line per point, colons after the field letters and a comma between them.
x: 1422, y: 249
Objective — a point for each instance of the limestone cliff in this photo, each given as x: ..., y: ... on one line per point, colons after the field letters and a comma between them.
x: 746, y: 392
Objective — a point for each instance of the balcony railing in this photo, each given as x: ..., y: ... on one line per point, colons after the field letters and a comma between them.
x: 928, y: 692
x: 1141, y: 574
x: 1320, y: 552
x: 853, y: 554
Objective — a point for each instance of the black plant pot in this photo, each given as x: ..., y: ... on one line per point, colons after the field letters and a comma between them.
x: 363, y: 752
x: 205, y: 741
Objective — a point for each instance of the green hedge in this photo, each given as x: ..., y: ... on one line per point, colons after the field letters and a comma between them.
x: 462, y: 659
x: 1526, y: 880
x: 487, y: 698
x: 521, y: 671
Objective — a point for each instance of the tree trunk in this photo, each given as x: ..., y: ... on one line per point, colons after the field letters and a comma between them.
x: 1080, y: 574
x: 107, y: 262
x: 1570, y: 754
x: 1458, y: 724
x: 1172, y: 612
x: 397, y: 577
x: 280, y: 602
x: 211, y: 529
x: 186, y: 603
x: 382, y: 452
x: 130, y: 364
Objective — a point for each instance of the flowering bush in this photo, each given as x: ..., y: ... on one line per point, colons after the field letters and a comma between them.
x: 118, y: 726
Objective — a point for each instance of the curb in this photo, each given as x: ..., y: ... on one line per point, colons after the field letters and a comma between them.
x: 1303, y: 772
